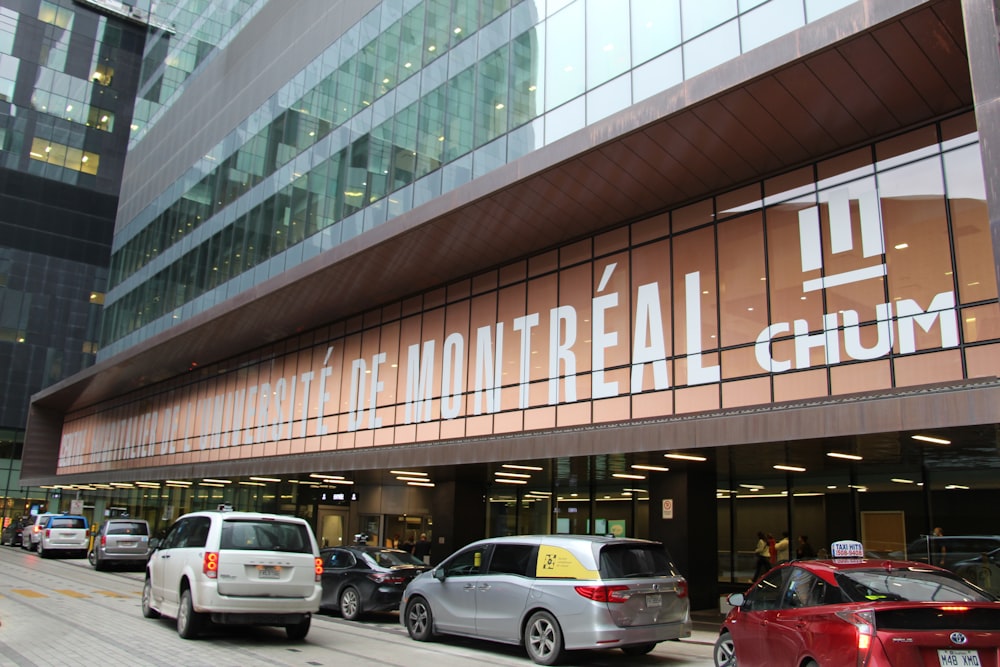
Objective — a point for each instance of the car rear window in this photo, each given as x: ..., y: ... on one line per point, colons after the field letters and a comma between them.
x: 67, y: 522
x: 251, y: 535
x: 624, y: 561
x: 907, y: 585
x: 128, y: 528
x: 388, y: 558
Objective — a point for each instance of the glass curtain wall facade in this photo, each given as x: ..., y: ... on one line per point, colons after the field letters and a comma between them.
x: 67, y: 80
x: 415, y: 100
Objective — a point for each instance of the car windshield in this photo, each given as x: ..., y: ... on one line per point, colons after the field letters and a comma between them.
x: 266, y: 536
x: 128, y: 528
x: 906, y: 584
x: 388, y: 558
x: 622, y: 561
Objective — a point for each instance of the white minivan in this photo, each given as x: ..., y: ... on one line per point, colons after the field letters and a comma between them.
x: 235, y: 568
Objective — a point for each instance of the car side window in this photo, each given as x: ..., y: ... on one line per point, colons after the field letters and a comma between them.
x: 516, y: 559
x: 176, y: 534
x: 804, y: 589
x: 197, y: 536
x: 465, y: 563
x: 766, y: 595
x: 340, y: 560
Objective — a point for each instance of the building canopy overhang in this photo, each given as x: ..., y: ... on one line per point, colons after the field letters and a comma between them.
x: 865, y: 72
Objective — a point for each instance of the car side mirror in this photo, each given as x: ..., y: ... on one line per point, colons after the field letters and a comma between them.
x: 736, y: 599
x: 154, y: 544
x: 439, y: 574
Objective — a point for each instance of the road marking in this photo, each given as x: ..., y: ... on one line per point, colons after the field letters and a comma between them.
x: 111, y: 594
x: 28, y: 593
x: 72, y: 594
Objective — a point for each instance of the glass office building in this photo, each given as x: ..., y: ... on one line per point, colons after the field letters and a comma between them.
x: 665, y: 269
x: 68, y: 75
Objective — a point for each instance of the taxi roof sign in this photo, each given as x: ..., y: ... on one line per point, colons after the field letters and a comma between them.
x: 847, y: 549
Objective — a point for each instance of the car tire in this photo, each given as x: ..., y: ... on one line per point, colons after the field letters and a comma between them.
x: 92, y: 559
x: 350, y: 604
x: 638, y: 649
x: 724, y: 652
x: 42, y: 553
x: 419, y: 620
x: 147, y: 600
x: 543, y: 639
x: 189, y: 622
x: 298, y: 631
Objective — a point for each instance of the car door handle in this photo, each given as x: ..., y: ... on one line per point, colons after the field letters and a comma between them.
x: 470, y: 587
x: 484, y: 587
x: 164, y: 556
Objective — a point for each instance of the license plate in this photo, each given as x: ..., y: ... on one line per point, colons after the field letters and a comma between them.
x: 126, y: 544
x: 654, y: 600
x: 956, y: 658
x: 269, y: 572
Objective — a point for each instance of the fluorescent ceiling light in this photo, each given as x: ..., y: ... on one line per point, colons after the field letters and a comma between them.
x: 936, y: 441
x: 501, y: 480
x: 265, y: 479
x: 900, y: 480
x: 420, y: 483
x: 322, y: 476
x: 841, y: 455
x: 253, y: 483
x: 641, y: 466
x: 217, y: 481
x: 625, y: 475
x: 516, y: 466
x: 780, y: 466
x: 404, y: 472
x: 685, y: 457
x: 957, y: 486
x: 177, y: 481
x: 518, y: 475
x: 404, y: 478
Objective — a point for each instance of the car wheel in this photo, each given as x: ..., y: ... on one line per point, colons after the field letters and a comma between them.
x: 92, y: 558
x: 147, y: 600
x: 298, y: 631
x: 638, y: 649
x: 419, y: 621
x: 350, y: 604
x: 543, y: 639
x: 189, y: 621
x: 42, y: 553
x: 724, y: 652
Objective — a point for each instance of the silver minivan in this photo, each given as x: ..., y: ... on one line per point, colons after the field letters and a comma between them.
x: 553, y: 593
x: 120, y: 540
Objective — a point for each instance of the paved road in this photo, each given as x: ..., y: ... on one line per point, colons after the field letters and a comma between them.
x: 58, y: 612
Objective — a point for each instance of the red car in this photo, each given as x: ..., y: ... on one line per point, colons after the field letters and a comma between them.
x: 860, y: 613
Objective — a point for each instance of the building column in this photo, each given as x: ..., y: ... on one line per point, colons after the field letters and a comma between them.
x: 690, y: 531
x: 983, y: 49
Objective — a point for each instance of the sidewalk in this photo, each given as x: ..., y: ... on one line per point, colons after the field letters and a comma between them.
x: 705, y: 626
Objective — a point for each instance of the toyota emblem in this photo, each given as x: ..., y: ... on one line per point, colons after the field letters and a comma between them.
x: 958, y: 638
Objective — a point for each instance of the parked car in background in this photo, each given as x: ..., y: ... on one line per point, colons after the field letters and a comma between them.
x: 32, y: 531
x: 983, y: 571
x: 876, y: 613
x: 230, y: 567
x: 120, y: 541
x: 12, y: 533
x: 553, y: 593
x: 361, y: 579
x: 63, y: 534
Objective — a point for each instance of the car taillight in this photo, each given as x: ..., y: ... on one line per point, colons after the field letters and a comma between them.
x: 210, y: 565
x: 610, y: 594
x: 682, y: 588
x: 104, y: 540
x: 37, y: 529
x: 864, y: 623
x: 386, y: 578
x: 319, y: 569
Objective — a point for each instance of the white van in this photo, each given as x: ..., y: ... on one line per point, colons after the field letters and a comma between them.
x: 233, y: 568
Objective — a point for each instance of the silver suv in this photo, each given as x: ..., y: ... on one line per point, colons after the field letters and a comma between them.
x: 120, y: 541
x: 553, y: 593
x: 240, y: 568
x: 31, y: 535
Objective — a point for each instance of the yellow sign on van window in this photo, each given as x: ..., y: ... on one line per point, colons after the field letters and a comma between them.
x: 557, y: 562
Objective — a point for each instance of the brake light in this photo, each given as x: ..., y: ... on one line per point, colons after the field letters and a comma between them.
x: 864, y: 623
x: 386, y: 578
x: 104, y: 540
x: 319, y: 569
x: 682, y: 588
x: 210, y: 565
x: 36, y: 529
x: 609, y: 594
x: 48, y: 533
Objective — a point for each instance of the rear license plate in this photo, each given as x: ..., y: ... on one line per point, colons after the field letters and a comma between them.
x: 953, y: 658
x: 654, y: 600
x: 126, y: 544
x: 269, y: 572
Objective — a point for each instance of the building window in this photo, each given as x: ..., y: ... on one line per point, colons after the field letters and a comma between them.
x: 103, y: 75
x: 64, y: 156
x: 101, y: 119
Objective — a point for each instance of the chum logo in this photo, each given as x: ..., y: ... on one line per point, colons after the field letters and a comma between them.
x: 842, y: 239
x: 839, y: 334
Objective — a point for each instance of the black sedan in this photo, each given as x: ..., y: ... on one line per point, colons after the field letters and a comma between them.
x: 360, y: 579
x: 12, y: 533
